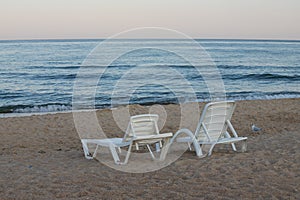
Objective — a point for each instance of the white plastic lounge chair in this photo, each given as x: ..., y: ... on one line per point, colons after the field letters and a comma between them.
x: 212, y: 128
x: 142, y: 130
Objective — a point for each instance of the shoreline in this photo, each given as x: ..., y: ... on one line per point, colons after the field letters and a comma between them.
x: 42, y: 158
x: 19, y: 114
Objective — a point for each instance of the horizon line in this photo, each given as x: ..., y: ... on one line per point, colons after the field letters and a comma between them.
x: 77, y: 39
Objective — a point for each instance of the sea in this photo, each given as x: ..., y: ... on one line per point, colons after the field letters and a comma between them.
x: 38, y: 76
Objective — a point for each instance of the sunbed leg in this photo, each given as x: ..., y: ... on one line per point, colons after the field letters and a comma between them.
x: 244, y: 146
x: 233, y: 146
x: 190, y: 148
x: 232, y: 129
x: 87, y: 154
x: 152, y: 155
x: 127, y: 155
x: 95, y: 152
x: 211, y: 149
x: 227, y: 135
x: 114, y: 154
x: 119, y: 148
x: 158, y: 146
x: 198, y: 149
x: 165, y: 149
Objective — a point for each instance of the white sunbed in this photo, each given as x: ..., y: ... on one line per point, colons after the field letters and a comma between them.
x: 142, y: 130
x: 212, y: 129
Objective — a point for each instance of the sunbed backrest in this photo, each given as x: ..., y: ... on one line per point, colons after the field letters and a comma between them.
x: 213, y: 121
x: 142, y: 125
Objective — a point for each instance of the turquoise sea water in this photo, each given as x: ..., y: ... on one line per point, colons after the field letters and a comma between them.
x: 39, y: 75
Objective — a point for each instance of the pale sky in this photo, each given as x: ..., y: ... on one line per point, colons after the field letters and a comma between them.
x: 76, y: 19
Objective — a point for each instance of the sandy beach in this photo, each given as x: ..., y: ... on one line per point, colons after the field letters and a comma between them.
x: 41, y: 157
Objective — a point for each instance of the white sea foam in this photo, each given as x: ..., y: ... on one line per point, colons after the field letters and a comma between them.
x: 42, y: 109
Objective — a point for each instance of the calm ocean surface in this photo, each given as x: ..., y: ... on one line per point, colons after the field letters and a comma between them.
x: 38, y: 75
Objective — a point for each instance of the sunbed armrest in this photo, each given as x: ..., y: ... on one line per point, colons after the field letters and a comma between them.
x: 158, y: 136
